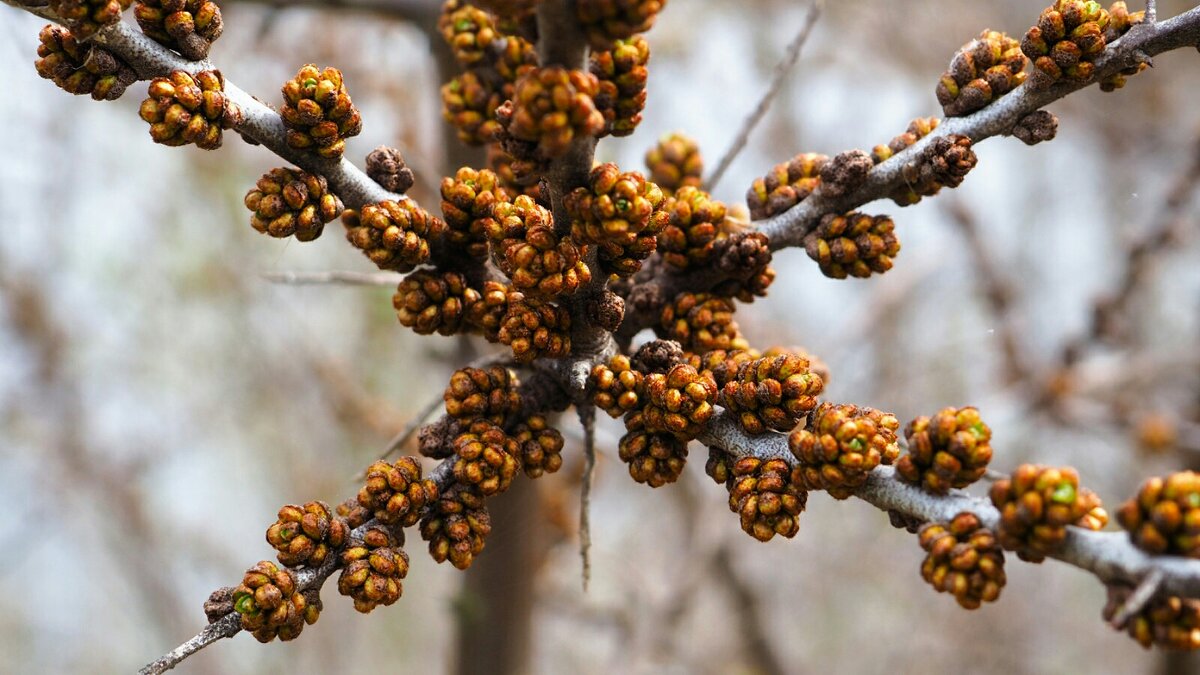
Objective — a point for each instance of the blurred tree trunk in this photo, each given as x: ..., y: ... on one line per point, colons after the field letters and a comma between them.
x: 495, y: 608
x: 494, y: 620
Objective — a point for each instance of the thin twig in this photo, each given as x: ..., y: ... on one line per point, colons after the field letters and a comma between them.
x: 1151, y: 11
x: 1110, y: 311
x: 587, y: 418
x: 400, y: 439
x: 227, y: 626
x: 1138, y: 599
x: 782, y: 69
x: 992, y: 475
x: 334, y: 278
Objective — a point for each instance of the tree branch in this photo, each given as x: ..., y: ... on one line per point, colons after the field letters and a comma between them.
x: 259, y: 122
x: 231, y: 624
x: 537, y: 395
x: 228, y: 626
x: 1143, y: 41
x: 1110, y: 556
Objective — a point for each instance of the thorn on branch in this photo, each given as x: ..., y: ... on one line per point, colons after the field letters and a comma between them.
x: 1144, y: 592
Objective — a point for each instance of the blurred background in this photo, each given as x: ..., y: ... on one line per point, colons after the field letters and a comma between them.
x: 160, y: 399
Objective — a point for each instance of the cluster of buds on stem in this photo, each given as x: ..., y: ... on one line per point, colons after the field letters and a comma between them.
x: 1170, y: 622
x: 949, y: 450
x: 373, y: 570
x: 619, y: 213
x: 606, y: 21
x: 81, y: 68
x: 674, y: 162
x: 187, y: 26
x: 854, y: 244
x: 270, y: 605
x: 786, y: 185
x: 318, y: 112
x: 1066, y: 40
x: 964, y: 560
x: 622, y: 75
x: 85, y: 17
x: 1164, y: 517
x: 981, y: 71
x: 843, y: 444
x: 186, y: 108
x: 288, y: 202
x: 1037, y: 504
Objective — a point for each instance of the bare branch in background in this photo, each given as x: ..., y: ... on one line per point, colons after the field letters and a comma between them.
x: 997, y: 289
x: 782, y: 70
x: 334, y: 278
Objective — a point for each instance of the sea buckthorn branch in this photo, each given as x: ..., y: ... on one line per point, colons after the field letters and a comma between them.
x: 537, y: 394
x: 230, y: 624
x: 1110, y: 556
x: 309, y: 579
x: 149, y: 59
x: 702, y: 381
x: 1139, y: 45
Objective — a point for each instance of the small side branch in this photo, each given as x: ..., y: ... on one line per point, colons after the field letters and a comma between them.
x: 1141, y: 595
